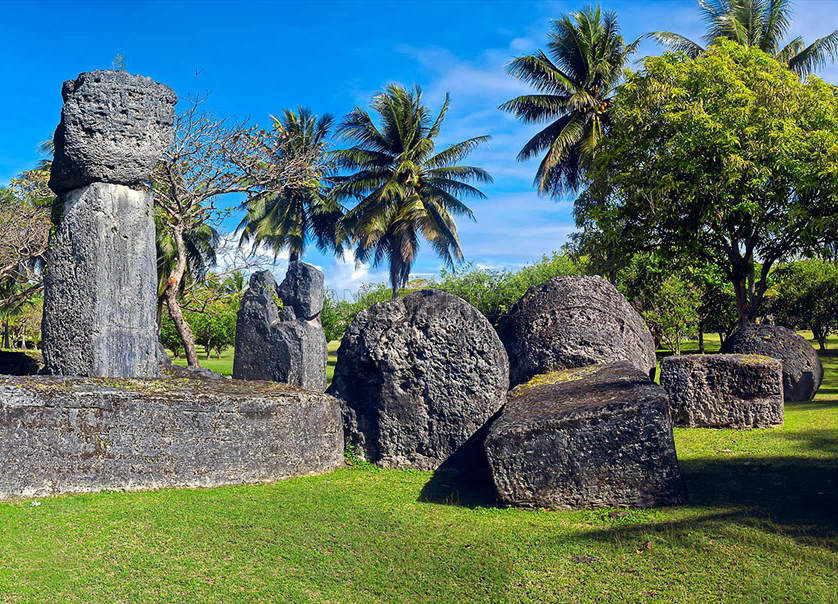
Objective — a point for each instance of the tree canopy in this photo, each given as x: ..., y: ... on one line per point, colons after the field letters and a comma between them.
x: 727, y: 158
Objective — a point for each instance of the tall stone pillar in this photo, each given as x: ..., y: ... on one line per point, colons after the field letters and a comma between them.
x: 100, y: 286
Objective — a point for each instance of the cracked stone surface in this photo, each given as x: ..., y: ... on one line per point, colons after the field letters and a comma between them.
x: 724, y: 390
x: 114, y: 127
x: 573, y: 322
x: 101, y: 285
x: 583, y: 438
x: 418, y: 376
x: 74, y: 435
x: 802, y: 368
x: 287, y: 345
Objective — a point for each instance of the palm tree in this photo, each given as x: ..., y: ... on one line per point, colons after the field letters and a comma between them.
x: 405, y: 189
x: 758, y: 23
x: 288, y: 220
x: 575, y: 82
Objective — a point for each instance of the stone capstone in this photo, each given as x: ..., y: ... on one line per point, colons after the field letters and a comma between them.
x: 302, y: 292
x: 802, y: 368
x: 73, y: 435
x: 101, y: 285
x: 17, y: 363
x: 582, y: 438
x: 418, y: 376
x: 280, y: 345
x: 573, y: 322
x: 724, y: 390
x: 114, y: 128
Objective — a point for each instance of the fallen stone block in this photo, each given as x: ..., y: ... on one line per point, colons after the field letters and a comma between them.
x: 583, y: 438
x: 418, y: 376
x: 724, y: 390
x: 573, y: 322
x: 73, y: 435
x: 802, y: 368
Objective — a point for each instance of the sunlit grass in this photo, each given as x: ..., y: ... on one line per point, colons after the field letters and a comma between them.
x: 760, y: 526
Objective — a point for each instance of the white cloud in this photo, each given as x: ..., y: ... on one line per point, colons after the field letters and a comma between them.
x: 344, y: 275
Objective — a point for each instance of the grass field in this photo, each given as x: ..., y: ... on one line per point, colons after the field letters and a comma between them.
x: 224, y: 363
x: 761, y: 525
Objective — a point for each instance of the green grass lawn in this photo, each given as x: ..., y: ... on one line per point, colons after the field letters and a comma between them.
x: 761, y: 525
x: 224, y: 363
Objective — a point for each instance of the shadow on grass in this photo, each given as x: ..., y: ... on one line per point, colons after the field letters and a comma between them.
x: 793, y: 496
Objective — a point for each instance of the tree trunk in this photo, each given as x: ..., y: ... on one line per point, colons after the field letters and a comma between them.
x: 6, y: 334
x: 172, y: 287
x: 740, y: 288
x: 700, y: 339
x: 161, y: 300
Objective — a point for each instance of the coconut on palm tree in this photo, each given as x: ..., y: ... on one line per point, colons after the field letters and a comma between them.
x: 291, y: 219
x: 404, y: 187
x: 756, y: 23
x: 574, y: 80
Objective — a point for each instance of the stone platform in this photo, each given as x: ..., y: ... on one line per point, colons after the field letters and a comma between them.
x: 73, y: 435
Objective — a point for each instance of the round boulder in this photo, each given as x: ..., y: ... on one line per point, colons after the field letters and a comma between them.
x: 418, y: 376
x: 572, y: 322
x: 802, y: 369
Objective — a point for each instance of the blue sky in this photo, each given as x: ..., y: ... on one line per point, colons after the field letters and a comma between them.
x: 256, y: 58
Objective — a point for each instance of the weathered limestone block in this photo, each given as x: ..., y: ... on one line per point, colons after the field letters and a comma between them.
x: 283, y: 347
x: 302, y: 291
x: 114, y: 128
x: 588, y: 437
x: 418, y: 376
x: 724, y: 390
x: 802, y: 368
x: 72, y: 435
x: 101, y: 285
x: 573, y: 322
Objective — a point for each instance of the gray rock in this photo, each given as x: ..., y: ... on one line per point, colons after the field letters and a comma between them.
x: 114, y: 128
x: 293, y: 351
x: 101, y: 286
x: 190, y: 373
x: 724, y: 390
x: 573, y: 322
x: 802, y: 368
x: 302, y: 291
x: 418, y: 377
x: 17, y: 363
x: 163, y: 360
x: 72, y: 435
x: 587, y: 437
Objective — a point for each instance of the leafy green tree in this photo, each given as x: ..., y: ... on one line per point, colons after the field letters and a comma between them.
x: 725, y: 159
x: 807, y: 297
x: 672, y: 312
x: 289, y: 218
x: 334, y: 316
x: 406, y: 188
x: 574, y: 81
x: 760, y: 24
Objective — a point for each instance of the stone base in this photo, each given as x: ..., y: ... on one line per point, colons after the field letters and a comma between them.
x: 582, y: 438
x: 101, y: 285
x: 724, y: 390
x: 60, y: 435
